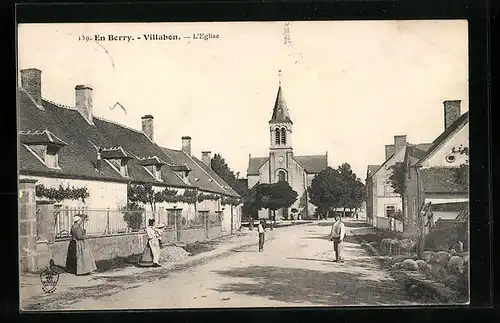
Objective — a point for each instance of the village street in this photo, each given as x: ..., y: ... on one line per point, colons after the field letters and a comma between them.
x: 295, y: 269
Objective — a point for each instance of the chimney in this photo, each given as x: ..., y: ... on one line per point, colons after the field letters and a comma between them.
x: 147, y: 126
x: 206, y: 158
x: 451, y: 112
x: 389, y: 151
x: 31, y: 82
x: 83, y: 102
x: 399, y: 143
x: 186, y: 145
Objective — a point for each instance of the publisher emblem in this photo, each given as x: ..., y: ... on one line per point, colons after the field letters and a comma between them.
x: 49, y: 279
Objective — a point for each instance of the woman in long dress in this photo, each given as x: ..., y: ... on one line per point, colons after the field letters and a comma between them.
x: 151, y: 254
x: 80, y: 260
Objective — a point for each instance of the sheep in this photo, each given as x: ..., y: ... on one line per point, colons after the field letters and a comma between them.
x: 443, y: 258
x: 456, y: 264
x: 394, y: 247
x: 385, y: 245
x: 407, y: 245
x: 409, y: 264
x: 397, y: 259
x: 374, y: 244
x: 427, y: 255
x: 422, y: 265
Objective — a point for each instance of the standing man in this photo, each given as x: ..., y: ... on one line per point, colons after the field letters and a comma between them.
x: 261, y: 231
x: 337, y: 236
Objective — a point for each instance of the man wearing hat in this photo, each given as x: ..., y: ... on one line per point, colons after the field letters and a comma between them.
x: 337, y: 236
x: 261, y: 231
x: 80, y: 260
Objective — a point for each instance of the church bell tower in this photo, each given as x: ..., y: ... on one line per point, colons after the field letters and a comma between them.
x: 280, y: 150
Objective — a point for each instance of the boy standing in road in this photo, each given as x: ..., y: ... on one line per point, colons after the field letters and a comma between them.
x: 261, y: 231
x: 337, y: 236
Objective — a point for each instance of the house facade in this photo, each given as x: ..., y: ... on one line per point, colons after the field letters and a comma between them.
x: 71, y: 147
x: 283, y: 165
x: 432, y: 176
x: 382, y: 201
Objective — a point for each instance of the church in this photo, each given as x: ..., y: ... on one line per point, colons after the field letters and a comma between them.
x: 282, y: 165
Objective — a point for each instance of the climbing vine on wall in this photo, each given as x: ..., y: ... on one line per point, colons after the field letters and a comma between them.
x: 212, y: 197
x: 230, y: 201
x: 62, y: 193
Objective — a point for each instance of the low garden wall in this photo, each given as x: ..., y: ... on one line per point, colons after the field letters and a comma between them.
x: 128, y: 244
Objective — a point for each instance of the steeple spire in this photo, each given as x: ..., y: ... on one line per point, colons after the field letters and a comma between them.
x: 280, y: 111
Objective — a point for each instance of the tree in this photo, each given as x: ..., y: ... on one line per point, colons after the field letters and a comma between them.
x: 144, y: 193
x: 252, y: 203
x: 348, y: 187
x: 397, y: 181
x: 277, y: 196
x: 326, y: 190
x: 397, y: 177
x: 221, y: 168
x: 358, y: 195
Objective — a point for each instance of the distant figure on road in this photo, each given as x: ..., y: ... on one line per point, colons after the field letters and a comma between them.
x: 261, y: 231
x: 337, y: 236
x: 250, y: 225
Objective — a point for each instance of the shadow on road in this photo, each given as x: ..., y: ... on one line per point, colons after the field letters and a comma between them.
x: 310, y: 259
x: 298, y: 285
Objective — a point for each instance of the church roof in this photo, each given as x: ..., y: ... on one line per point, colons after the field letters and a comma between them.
x: 280, y: 111
x: 312, y: 163
x: 254, y: 164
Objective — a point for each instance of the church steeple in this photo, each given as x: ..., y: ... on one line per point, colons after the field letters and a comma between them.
x: 280, y: 111
x: 280, y: 125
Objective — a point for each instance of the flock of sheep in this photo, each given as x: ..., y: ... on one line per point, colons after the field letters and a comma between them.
x: 404, y: 257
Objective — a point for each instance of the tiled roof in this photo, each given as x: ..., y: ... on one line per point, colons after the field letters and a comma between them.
x: 280, y: 110
x: 254, y: 165
x: 199, y: 176
x: 154, y: 160
x: 452, y: 206
x: 115, y: 153
x: 313, y: 163
x: 372, y: 169
x: 462, y: 120
x: 78, y: 158
x: 216, y: 177
x: 441, y: 180
x: 40, y: 137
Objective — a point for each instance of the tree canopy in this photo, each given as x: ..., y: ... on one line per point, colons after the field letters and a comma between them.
x: 397, y: 177
x: 337, y: 188
x: 221, y: 168
x: 277, y: 196
x: 271, y: 196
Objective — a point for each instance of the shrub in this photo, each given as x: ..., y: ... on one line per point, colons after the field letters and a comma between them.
x: 132, y: 214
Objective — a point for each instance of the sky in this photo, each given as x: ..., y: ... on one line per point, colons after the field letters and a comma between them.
x: 350, y: 86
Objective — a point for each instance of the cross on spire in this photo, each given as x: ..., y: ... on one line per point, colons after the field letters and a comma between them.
x: 279, y: 76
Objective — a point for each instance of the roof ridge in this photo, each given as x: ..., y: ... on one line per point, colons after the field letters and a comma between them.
x: 121, y: 125
x: 60, y: 105
x: 213, y: 179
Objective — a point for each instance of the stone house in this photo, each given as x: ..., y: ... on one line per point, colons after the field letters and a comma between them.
x: 283, y: 165
x: 70, y: 146
x: 382, y: 201
x: 431, y: 175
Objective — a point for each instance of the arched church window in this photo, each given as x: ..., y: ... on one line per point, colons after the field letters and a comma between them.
x: 277, y: 136
x: 283, y: 136
x: 281, y: 176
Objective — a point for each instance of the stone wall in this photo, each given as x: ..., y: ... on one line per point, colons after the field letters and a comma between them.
x: 127, y: 244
